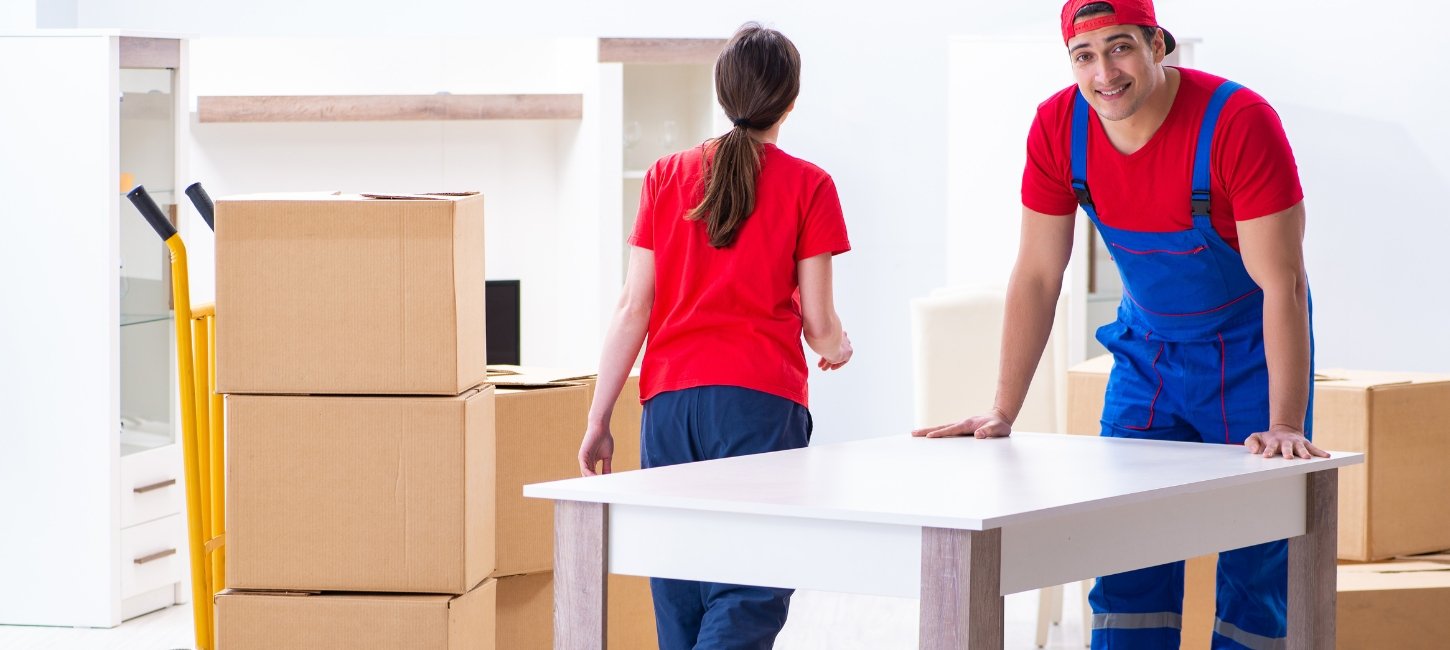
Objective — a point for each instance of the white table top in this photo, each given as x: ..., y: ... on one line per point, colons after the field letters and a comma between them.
x: 961, y: 483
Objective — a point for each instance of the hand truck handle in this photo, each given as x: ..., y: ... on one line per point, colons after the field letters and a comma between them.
x: 203, y: 204
x: 153, y: 214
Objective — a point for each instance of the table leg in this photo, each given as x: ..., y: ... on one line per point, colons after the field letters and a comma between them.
x: 580, y: 575
x: 961, y: 594
x: 1312, y: 567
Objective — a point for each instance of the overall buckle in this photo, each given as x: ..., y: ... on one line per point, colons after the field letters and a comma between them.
x: 1084, y: 197
x: 1200, y: 204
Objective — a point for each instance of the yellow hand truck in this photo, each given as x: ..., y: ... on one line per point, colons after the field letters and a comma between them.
x: 201, y: 417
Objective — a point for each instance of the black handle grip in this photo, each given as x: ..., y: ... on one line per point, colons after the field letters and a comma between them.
x: 203, y: 203
x: 154, y: 216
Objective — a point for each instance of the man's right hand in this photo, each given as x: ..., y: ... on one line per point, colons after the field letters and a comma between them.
x: 991, y: 425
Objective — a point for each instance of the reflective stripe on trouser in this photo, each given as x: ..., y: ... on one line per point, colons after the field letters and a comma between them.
x: 1137, y: 621
x: 1224, y: 631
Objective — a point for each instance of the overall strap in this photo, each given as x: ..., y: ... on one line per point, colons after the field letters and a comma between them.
x: 1078, y: 152
x: 1201, y: 166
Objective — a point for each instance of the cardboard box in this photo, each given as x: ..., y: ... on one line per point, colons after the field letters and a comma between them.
x: 628, y: 412
x: 1396, y: 604
x: 1400, y: 604
x: 1393, y: 504
x: 1087, y: 382
x: 1200, y: 582
x: 1399, y: 420
x: 386, y: 494
x: 526, y: 612
x: 631, y: 621
x: 350, y: 294
x: 280, y: 621
x: 538, y: 430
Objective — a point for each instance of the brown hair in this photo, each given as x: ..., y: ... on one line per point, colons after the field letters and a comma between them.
x: 757, y: 78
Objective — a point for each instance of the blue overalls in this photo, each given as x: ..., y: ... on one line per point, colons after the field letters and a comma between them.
x: 706, y: 423
x: 1188, y: 351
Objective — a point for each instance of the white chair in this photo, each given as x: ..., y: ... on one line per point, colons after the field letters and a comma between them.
x: 956, y: 338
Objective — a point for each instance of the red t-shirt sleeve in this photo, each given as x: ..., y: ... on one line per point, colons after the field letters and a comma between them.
x: 1047, y: 178
x: 823, y: 226
x: 643, y: 234
x: 1255, y: 164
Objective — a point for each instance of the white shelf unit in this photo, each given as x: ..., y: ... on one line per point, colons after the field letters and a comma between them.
x: 91, y: 466
x: 661, y: 96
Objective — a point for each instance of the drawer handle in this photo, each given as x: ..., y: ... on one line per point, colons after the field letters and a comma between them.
x: 155, y: 556
x: 154, y: 486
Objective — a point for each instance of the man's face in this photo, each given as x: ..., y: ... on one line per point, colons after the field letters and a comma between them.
x: 1116, y: 69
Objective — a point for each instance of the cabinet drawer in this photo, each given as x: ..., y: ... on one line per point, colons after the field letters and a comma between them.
x: 153, y: 555
x: 152, y: 485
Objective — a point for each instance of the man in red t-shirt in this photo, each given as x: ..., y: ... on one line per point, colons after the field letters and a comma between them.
x: 1192, y: 184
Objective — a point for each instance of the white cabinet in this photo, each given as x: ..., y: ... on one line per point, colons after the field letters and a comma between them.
x: 90, y: 460
x: 659, y: 98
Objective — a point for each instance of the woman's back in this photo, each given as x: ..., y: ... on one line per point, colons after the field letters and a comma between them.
x: 732, y: 315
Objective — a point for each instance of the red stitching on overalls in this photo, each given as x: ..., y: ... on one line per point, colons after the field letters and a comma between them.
x: 1196, y: 313
x: 1222, y: 371
x: 1200, y: 249
x: 1152, y: 406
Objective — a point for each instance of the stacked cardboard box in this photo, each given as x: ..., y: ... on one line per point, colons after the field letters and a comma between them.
x: 525, y: 597
x: 375, y: 472
x: 1401, y: 422
x: 360, y: 433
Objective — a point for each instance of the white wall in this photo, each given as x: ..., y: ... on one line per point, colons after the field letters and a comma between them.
x: 1364, y: 105
x: 17, y: 15
x: 514, y: 163
x: 874, y: 110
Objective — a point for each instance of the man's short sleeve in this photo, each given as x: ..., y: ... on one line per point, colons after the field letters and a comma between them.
x: 1047, y: 179
x: 1254, y: 163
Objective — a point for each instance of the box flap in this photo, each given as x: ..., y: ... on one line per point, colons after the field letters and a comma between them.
x: 1099, y: 365
x: 526, y: 386
x: 265, y: 592
x: 282, y: 196
x: 1397, y: 566
x: 346, y: 196
x: 1415, y: 572
x: 420, y: 196
x: 1372, y: 379
x: 530, y: 375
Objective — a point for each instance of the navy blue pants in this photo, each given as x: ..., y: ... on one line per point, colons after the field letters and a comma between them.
x: 707, y: 423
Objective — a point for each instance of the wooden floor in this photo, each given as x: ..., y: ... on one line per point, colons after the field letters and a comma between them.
x: 818, y: 621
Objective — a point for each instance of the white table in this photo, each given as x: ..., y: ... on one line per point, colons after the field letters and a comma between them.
x: 958, y: 522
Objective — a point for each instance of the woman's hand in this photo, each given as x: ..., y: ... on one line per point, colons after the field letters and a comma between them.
x: 841, y: 358
x: 598, y: 447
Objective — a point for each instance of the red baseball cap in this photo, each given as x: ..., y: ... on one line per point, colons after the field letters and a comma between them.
x: 1125, y: 12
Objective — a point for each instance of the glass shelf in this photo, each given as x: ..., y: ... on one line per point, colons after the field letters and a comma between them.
x: 138, y: 441
x: 141, y: 319
x: 161, y: 197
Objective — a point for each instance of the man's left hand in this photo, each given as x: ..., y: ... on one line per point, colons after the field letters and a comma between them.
x: 1283, y: 440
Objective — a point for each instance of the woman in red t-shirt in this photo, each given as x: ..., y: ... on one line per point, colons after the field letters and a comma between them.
x: 730, y: 264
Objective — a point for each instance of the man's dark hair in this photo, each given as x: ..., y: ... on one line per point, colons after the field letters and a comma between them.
x: 1103, y: 9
